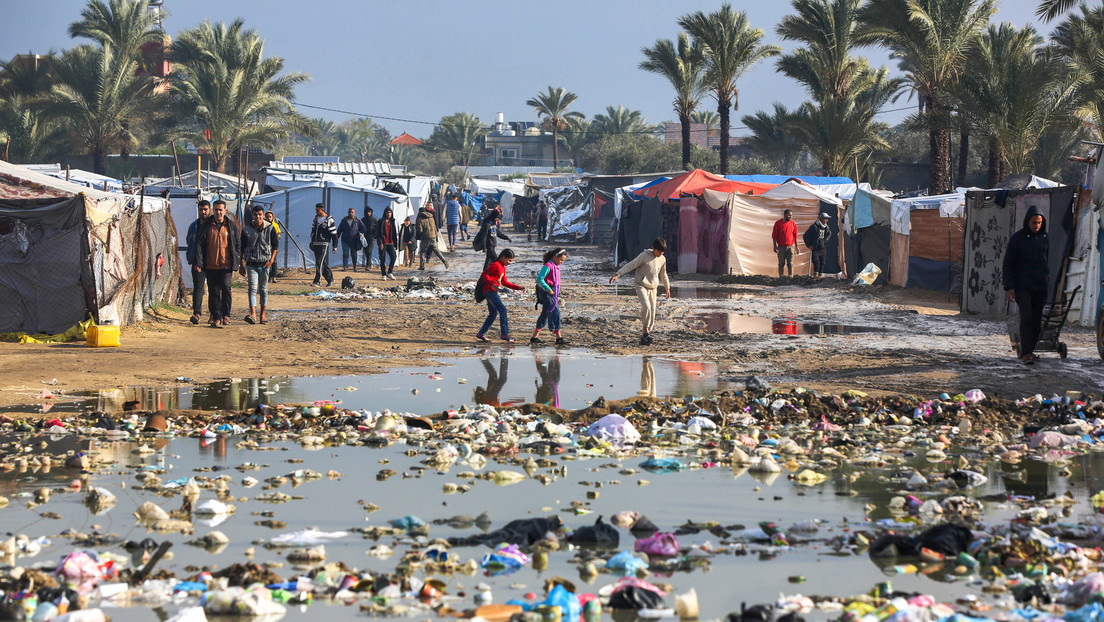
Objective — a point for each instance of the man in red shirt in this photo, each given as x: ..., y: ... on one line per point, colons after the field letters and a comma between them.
x: 784, y: 237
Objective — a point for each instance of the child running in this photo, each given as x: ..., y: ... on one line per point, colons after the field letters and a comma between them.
x: 548, y: 295
x: 493, y: 277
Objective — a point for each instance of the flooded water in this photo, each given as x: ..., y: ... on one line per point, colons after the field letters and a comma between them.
x: 603, y: 485
x: 683, y: 292
x: 500, y: 376
x: 731, y: 323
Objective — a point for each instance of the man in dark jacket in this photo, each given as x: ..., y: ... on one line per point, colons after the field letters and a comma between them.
x: 218, y: 252
x: 259, y: 244
x: 199, y: 284
x: 1026, y: 275
x: 370, y: 225
x: 406, y: 242
x: 349, y: 232
x: 322, y: 233
x: 489, y: 233
x: 821, y: 234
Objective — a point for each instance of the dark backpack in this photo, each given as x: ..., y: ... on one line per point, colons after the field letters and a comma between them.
x: 479, y: 242
x: 480, y: 285
x: 348, y: 283
x: 810, y: 236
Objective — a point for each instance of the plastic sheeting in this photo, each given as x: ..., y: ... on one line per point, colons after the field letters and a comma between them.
x: 569, y: 213
x: 793, y: 189
x: 868, y: 209
x: 750, y: 248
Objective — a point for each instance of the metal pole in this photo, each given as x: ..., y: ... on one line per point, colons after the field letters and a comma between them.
x: 176, y: 158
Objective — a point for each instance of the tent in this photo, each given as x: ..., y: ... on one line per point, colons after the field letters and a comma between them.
x: 868, y: 234
x: 794, y: 189
x: 503, y: 192
x: 697, y: 180
x: 926, y: 242
x: 570, y: 213
x: 67, y: 251
x: 294, y: 208
x: 79, y: 177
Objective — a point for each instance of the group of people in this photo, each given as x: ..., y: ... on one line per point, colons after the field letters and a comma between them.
x: 548, y: 296
x: 216, y: 247
x: 784, y: 240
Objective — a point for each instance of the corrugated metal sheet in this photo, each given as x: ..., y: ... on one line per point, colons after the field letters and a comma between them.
x: 372, y: 168
x: 482, y: 171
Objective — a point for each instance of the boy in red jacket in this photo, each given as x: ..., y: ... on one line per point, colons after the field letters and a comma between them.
x: 493, y: 277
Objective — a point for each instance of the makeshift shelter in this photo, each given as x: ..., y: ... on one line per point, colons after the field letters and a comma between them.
x: 926, y: 243
x: 570, y: 213
x: 502, y: 191
x: 992, y: 216
x: 694, y: 182
x: 294, y: 209
x: 868, y: 234
x: 87, y: 179
x: 795, y: 189
x: 67, y: 251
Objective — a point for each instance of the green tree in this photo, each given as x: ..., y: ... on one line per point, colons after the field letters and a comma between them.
x: 620, y: 120
x: 932, y: 39
x: 553, y: 106
x: 1079, y: 39
x: 458, y: 134
x: 1049, y: 9
x: 682, y: 66
x: 576, y: 135
x: 708, y: 118
x: 228, y: 94
x: 100, y: 98
x: 824, y: 65
x: 29, y: 135
x: 771, y: 137
x: 729, y: 46
x: 126, y: 25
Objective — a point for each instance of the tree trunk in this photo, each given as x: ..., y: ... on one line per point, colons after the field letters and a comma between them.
x: 99, y: 161
x: 684, y: 119
x: 723, y: 106
x: 963, y: 154
x: 939, y: 168
x: 555, y: 146
x: 995, y: 158
x: 221, y: 164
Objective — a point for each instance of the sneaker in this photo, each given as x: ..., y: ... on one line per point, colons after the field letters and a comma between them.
x: 560, y: 341
x: 508, y: 339
x: 481, y: 337
x: 643, y: 340
x: 1028, y: 359
x: 649, y: 339
x: 534, y: 341
x: 445, y: 261
x: 195, y: 319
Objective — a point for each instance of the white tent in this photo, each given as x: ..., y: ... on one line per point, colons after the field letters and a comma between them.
x: 79, y: 177
x: 797, y: 190
x: 294, y: 208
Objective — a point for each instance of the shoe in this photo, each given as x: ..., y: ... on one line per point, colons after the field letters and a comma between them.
x: 329, y: 283
x: 421, y: 267
x: 560, y: 341
x: 508, y: 339
x: 215, y: 324
x: 649, y: 339
x: 481, y: 337
x: 445, y: 261
x: 534, y: 341
x: 314, y: 283
x: 195, y: 319
x: 250, y: 319
x: 1028, y: 359
x: 644, y: 340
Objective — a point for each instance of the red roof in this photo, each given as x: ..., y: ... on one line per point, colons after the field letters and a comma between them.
x: 406, y: 139
x: 697, y: 180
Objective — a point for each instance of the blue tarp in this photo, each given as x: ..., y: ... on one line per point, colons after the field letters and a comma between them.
x: 812, y: 180
x: 934, y: 275
x: 862, y: 210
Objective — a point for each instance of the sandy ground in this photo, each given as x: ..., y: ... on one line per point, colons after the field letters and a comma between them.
x: 908, y: 342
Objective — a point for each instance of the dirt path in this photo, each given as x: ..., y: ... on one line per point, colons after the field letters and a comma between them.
x: 892, y: 340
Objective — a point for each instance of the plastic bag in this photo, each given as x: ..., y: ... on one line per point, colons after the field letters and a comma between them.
x: 626, y: 563
x: 867, y: 275
x: 614, y: 428
x: 632, y: 593
x: 662, y: 543
x: 599, y: 534
x: 569, y: 605
x: 80, y: 570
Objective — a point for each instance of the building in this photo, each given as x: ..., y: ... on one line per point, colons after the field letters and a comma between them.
x: 519, y: 143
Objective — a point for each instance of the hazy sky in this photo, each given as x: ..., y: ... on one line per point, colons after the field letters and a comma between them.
x: 408, y: 63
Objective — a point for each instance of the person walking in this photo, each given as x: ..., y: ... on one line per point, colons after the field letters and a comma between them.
x: 218, y: 251
x: 548, y: 296
x: 784, y: 238
x: 488, y: 235
x: 493, y: 277
x: 649, y: 268
x: 322, y: 233
x: 1026, y: 275
x: 271, y: 218
x: 542, y: 220
x: 452, y: 221
x: 350, y: 232
x: 259, y: 244
x: 465, y: 217
x: 199, y: 282
x: 425, y: 228
x: 370, y: 223
x: 819, y: 234
x: 387, y: 237
x: 406, y: 239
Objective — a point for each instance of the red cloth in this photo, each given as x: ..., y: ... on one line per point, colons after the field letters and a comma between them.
x: 785, y: 233
x: 494, y: 276
x: 697, y: 180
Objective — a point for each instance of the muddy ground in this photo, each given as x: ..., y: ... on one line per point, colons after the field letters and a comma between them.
x: 895, y: 341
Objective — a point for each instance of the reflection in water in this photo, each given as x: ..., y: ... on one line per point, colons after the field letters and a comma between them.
x: 496, y: 380
x: 647, y: 379
x: 737, y: 323
x: 548, y: 388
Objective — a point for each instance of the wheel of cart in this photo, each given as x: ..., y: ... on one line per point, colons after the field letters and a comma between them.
x: 1063, y: 351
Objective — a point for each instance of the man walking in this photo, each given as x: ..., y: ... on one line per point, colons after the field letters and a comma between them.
x: 784, y: 238
x: 489, y: 233
x: 259, y: 244
x: 452, y: 221
x: 1026, y: 273
x: 217, y: 252
x: 820, y: 235
x: 322, y: 233
x: 542, y: 220
x: 406, y: 241
x: 426, y: 232
x: 370, y: 224
x: 349, y: 232
x: 650, y: 268
x: 199, y: 283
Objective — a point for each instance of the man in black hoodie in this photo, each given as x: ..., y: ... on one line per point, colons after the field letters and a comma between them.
x: 1026, y: 273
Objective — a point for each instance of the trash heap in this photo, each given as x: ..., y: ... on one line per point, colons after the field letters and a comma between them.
x: 931, y: 454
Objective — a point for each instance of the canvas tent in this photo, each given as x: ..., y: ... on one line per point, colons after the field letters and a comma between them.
x: 67, y: 251
x: 294, y: 208
x: 694, y: 182
x: 926, y: 242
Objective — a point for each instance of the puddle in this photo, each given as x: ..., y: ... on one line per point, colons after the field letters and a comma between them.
x: 691, y: 293
x: 501, y: 377
x: 738, y: 323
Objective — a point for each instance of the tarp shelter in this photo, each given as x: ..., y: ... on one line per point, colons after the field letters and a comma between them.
x: 926, y: 243
x: 793, y: 189
x: 697, y: 180
x: 570, y: 213
x: 992, y: 216
x: 87, y: 179
x: 294, y: 207
x: 503, y: 191
x: 67, y: 251
x: 868, y: 234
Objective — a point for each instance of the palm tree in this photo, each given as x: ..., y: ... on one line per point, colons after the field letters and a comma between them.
x: 620, y: 120
x: 101, y: 99
x: 730, y: 46
x: 1049, y: 9
x: 1079, y: 39
x: 771, y: 137
x: 824, y: 65
x: 708, y: 118
x: 932, y: 39
x: 126, y: 25
x: 29, y: 135
x: 682, y: 65
x: 458, y: 134
x: 324, y: 140
x: 576, y: 136
x: 229, y: 94
x: 553, y: 105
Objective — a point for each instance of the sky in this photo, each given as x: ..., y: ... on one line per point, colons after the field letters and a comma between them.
x: 406, y: 64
